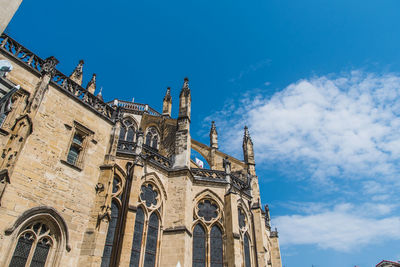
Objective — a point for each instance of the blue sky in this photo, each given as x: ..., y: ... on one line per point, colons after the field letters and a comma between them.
x: 316, y: 81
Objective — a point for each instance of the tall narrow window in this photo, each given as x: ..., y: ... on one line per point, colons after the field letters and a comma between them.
x: 151, y: 243
x: 22, y: 250
x: 207, y: 241
x: 105, y: 262
x: 216, y: 249
x: 199, y: 246
x: 152, y: 138
x: 145, y: 241
x: 246, y: 246
x: 137, y: 238
x: 33, y: 246
x: 127, y: 132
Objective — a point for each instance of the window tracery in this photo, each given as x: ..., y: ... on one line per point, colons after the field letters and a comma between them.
x: 35, y: 246
x: 112, y: 231
x: 127, y: 131
x: 152, y: 137
x: 244, y: 236
x: 147, y: 226
x: 207, y: 235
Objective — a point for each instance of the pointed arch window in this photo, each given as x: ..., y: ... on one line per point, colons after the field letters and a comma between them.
x: 34, y: 246
x: 152, y: 137
x: 127, y: 132
x: 145, y: 240
x: 113, y: 231
x: 244, y: 236
x: 246, y: 246
x: 208, y: 242
x: 199, y: 246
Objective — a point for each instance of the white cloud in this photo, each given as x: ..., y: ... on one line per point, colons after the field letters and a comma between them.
x: 346, y: 126
x: 342, y: 228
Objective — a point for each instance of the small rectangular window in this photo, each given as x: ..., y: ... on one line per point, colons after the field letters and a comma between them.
x: 78, y: 145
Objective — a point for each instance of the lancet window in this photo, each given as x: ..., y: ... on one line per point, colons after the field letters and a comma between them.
x: 145, y: 241
x: 244, y: 236
x: 207, y: 235
x: 128, y: 130
x: 152, y: 137
x: 109, y: 247
x: 36, y: 246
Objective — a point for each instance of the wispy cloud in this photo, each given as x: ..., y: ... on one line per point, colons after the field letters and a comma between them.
x: 341, y: 228
x: 346, y: 126
x: 339, y: 132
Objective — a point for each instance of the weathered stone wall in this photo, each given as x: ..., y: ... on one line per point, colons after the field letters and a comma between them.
x: 41, y: 179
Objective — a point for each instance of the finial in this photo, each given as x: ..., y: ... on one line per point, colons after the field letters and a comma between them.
x: 185, y: 83
x: 76, y: 75
x: 246, y: 132
x: 213, y: 136
x: 167, y: 96
x: 91, y: 86
x: 100, y: 95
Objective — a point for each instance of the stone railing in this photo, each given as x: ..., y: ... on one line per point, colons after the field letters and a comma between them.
x: 156, y: 158
x: 238, y: 182
x: 19, y: 52
x: 27, y: 57
x: 134, y: 106
x: 214, y: 174
x: 148, y: 153
x: 126, y: 147
x: 82, y: 94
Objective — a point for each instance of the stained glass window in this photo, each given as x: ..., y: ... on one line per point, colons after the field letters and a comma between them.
x: 216, y: 249
x: 122, y: 133
x: 149, y: 195
x: 137, y: 238
x: 246, y: 251
x: 155, y: 140
x: 242, y: 218
x: 199, y: 246
x: 207, y: 210
x: 130, y: 135
x: 26, y: 246
x: 22, y: 250
x: 41, y: 252
x: 105, y: 262
x: 148, y: 138
x: 151, y: 242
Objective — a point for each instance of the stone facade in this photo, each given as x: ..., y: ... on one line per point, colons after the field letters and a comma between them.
x: 89, y: 183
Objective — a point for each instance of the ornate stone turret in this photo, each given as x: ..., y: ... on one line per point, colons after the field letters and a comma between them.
x: 167, y: 103
x: 185, y: 100
x: 91, y: 86
x: 182, y: 137
x: 248, y: 151
x: 213, y: 136
x: 77, y: 74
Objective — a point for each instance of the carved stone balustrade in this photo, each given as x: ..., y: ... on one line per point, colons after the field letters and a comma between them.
x: 21, y: 53
x: 141, y: 108
x: 77, y: 91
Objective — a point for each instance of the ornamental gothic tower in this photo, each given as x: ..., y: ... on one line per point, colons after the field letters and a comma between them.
x: 85, y: 182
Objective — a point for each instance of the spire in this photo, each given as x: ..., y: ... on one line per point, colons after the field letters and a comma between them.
x: 213, y: 136
x: 91, y: 86
x: 185, y: 100
x: 248, y: 150
x: 77, y: 74
x: 167, y: 103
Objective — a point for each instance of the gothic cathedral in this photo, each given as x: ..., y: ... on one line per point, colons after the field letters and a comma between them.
x: 85, y: 182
